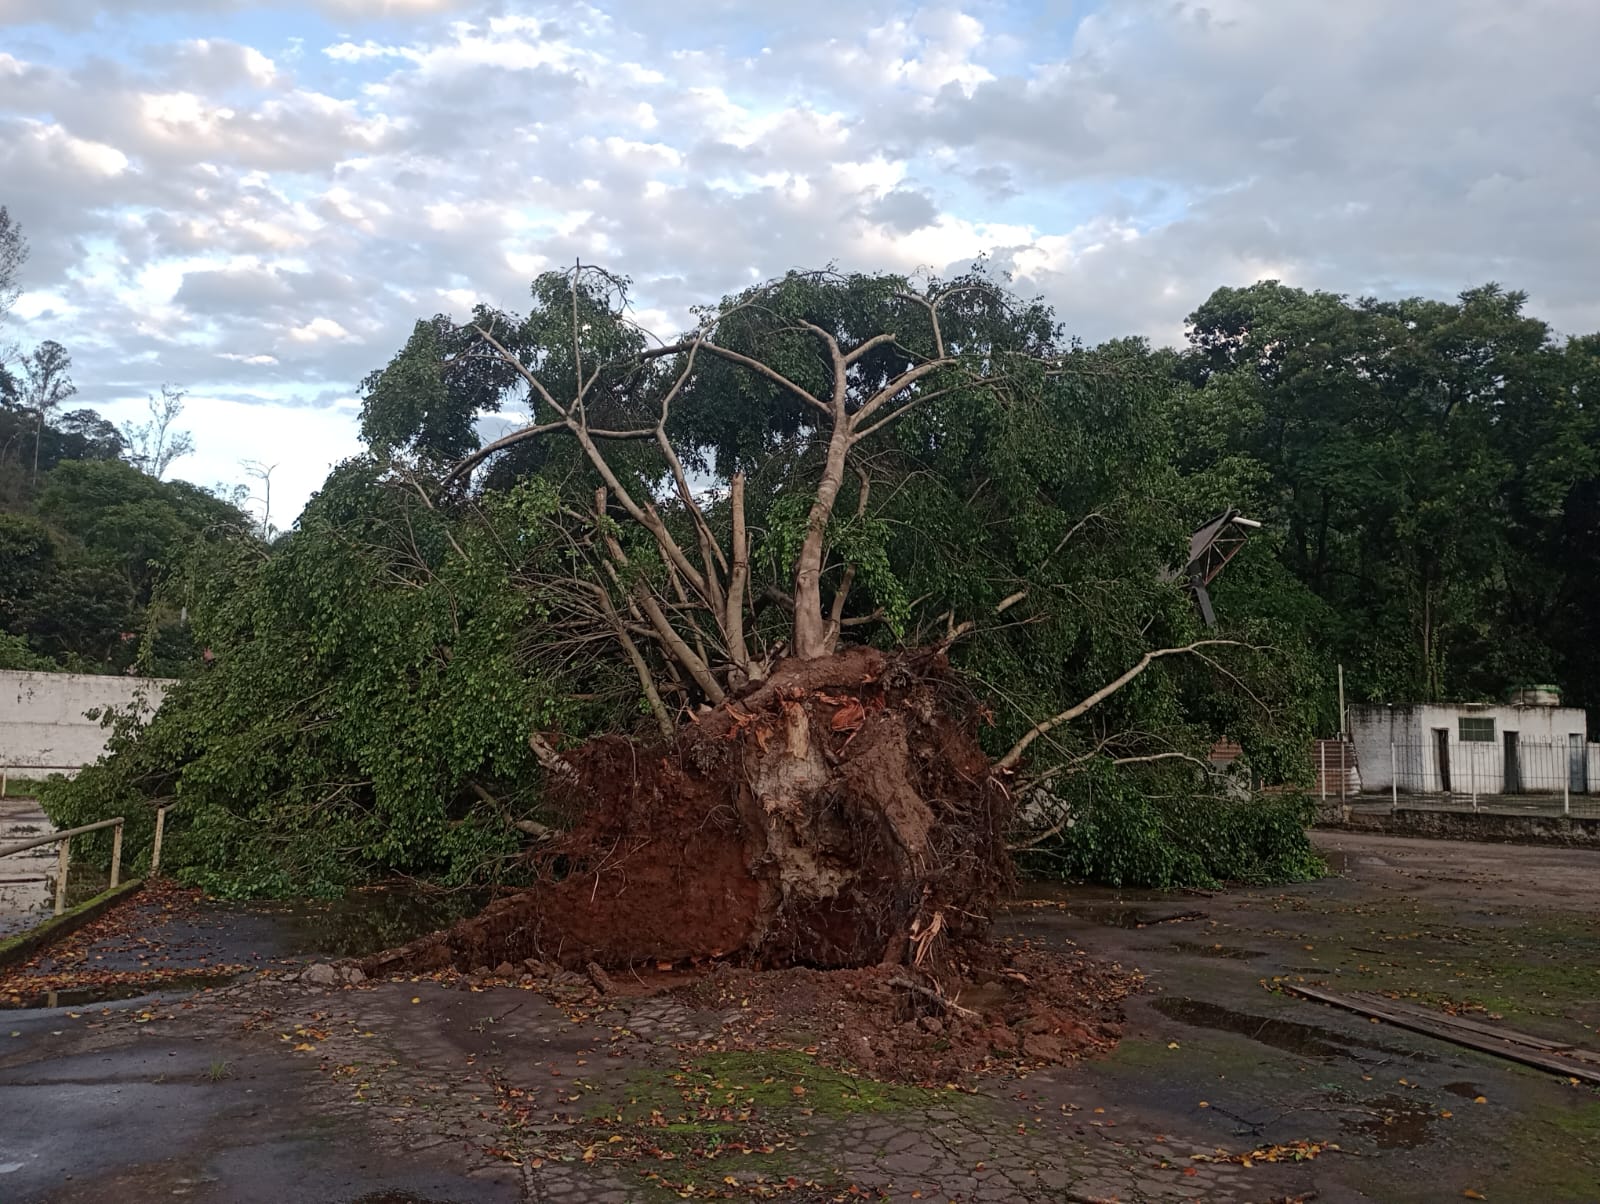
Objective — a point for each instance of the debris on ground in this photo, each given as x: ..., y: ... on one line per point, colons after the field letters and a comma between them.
x: 1016, y: 1008
x: 829, y: 845
x: 117, y: 953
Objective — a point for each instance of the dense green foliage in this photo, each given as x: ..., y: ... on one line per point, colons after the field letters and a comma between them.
x: 84, y: 544
x: 1430, y: 472
x: 378, y: 670
x: 1427, y: 473
x: 368, y: 698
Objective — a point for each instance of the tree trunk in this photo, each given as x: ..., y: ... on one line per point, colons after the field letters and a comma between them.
x: 810, y: 629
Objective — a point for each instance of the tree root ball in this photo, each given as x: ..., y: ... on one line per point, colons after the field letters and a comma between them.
x: 839, y: 813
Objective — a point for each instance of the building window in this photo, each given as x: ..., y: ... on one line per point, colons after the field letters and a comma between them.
x: 1476, y: 731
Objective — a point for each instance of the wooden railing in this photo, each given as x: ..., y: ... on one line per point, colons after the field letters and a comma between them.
x: 64, y: 856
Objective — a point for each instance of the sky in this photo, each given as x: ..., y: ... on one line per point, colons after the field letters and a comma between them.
x: 254, y: 201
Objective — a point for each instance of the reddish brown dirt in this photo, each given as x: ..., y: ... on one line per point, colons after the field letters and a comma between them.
x: 1033, y: 1007
x: 840, y: 813
x: 831, y: 844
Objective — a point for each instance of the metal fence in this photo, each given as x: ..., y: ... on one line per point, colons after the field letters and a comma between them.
x: 1508, y: 773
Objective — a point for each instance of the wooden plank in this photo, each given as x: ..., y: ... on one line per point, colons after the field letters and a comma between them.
x: 1474, y: 1026
x: 1440, y: 1027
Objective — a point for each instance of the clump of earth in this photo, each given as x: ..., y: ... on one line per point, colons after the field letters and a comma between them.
x: 832, y: 840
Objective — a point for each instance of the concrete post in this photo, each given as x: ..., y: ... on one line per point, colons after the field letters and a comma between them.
x: 1394, y: 781
x: 62, y: 857
x: 116, y: 856
x: 155, y: 850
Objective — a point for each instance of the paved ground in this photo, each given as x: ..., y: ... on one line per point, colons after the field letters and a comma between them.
x: 407, y: 1091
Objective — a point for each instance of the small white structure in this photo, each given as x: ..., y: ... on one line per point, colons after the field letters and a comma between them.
x: 43, y: 725
x: 1474, y: 748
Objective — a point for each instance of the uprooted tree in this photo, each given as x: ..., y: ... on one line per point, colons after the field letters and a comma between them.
x: 800, y: 804
x: 776, y: 641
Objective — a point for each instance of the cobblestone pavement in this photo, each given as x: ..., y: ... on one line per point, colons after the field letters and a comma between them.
x: 638, y: 1100
x: 272, y: 1091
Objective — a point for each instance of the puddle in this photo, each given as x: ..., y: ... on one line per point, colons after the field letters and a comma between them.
x: 1304, y: 1040
x: 1228, y: 951
x: 396, y: 1197
x: 1341, y: 861
x: 1117, y: 916
x: 363, y: 922
x: 1399, y: 1123
x: 111, y: 992
x: 1464, y: 1090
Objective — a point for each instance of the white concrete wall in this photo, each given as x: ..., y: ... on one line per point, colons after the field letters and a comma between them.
x: 42, y: 721
x: 1546, y: 758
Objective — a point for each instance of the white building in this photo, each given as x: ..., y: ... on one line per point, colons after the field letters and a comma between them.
x: 1474, y: 748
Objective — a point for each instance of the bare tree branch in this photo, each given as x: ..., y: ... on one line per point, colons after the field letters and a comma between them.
x: 1046, y: 726
x: 738, y: 579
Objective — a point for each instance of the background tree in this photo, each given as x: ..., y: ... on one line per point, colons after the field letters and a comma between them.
x: 153, y: 445
x: 84, y: 550
x: 257, y: 471
x: 13, y: 255
x: 46, y: 383
x: 1416, y: 456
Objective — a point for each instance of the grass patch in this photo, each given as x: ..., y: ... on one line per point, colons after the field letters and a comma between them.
x: 733, y: 1088
x: 17, y: 787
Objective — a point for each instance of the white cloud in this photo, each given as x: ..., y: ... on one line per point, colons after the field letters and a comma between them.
x: 318, y: 329
x: 264, y: 225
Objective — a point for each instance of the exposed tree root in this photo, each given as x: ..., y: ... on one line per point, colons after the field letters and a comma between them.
x: 839, y: 813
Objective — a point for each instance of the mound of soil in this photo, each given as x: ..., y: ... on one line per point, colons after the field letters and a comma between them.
x: 830, y: 847
x: 840, y: 813
x: 1024, y: 1006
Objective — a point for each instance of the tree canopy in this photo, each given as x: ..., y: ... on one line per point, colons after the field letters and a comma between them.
x: 1431, y: 470
x: 827, y: 459
x: 86, y: 543
x: 824, y: 458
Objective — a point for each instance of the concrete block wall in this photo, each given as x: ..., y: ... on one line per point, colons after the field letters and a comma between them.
x: 42, y: 716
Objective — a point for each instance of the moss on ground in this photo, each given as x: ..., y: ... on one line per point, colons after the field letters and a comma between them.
x: 765, y: 1085
x: 1537, y: 969
x: 738, y: 1114
x: 1558, y: 1149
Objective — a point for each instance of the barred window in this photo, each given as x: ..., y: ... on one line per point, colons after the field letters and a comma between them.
x: 1476, y: 730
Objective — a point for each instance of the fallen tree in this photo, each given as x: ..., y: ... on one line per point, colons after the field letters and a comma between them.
x: 675, y: 562
x: 800, y: 804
